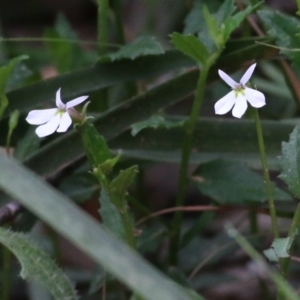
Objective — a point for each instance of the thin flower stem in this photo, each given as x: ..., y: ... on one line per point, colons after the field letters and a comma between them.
x: 267, y: 181
x: 117, y: 7
x: 185, y: 157
x: 103, y: 7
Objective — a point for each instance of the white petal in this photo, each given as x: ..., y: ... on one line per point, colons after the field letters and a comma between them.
x: 255, y: 98
x: 247, y: 74
x: 240, y: 106
x: 41, y: 116
x: 225, y: 104
x: 65, y: 123
x: 228, y: 79
x: 58, y: 101
x: 49, y: 127
x: 76, y: 101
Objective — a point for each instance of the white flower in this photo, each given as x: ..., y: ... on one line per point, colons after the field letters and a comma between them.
x: 239, y: 95
x: 54, y: 119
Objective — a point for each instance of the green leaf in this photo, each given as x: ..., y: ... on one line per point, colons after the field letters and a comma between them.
x: 111, y: 217
x: 4, y: 76
x: 190, y: 46
x: 118, y: 187
x: 86, y: 233
x: 37, y: 265
x: 221, y: 138
x: 213, y: 28
x: 144, y: 45
x: 234, y: 21
x: 79, y: 187
x: 229, y: 182
x: 28, y: 144
x: 290, y: 162
x: 12, y: 124
x: 155, y: 121
x: 284, y: 29
x: 279, y: 249
x: 95, y: 145
x: 66, y: 54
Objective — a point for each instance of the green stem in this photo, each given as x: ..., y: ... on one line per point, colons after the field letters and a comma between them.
x: 117, y: 7
x: 253, y: 222
x: 6, y: 278
x: 267, y: 181
x: 185, y: 157
x: 103, y: 7
x: 292, y: 233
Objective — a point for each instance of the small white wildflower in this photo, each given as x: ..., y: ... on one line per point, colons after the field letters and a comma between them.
x: 239, y: 95
x: 54, y: 119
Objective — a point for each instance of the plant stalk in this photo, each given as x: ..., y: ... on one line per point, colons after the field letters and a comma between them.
x: 267, y: 181
x: 103, y: 7
x: 185, y: 157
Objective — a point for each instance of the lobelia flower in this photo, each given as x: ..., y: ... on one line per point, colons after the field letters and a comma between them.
x: 239, y: 95
x: 54, y: 119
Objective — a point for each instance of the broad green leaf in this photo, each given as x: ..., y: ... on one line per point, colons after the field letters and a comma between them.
x: 78, y: 83
x: 155, y: 121
x: 111, y: 217
x: 5, y: 71
x: 79, y: 187
x: 290, y: 162
x: 214, y: 138
x: 279, y: 249
x: 142, y: 46
x: 86, y: 233
x: 229, y: 182
x: 284, y: 29
x: 37, y: 265
x: 28, y: 144
x: 118, y: 187
x: 190, y: 46
x: 95, y: 145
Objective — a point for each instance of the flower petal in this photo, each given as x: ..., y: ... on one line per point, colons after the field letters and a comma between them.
x: 40, y: 116
x: 225, y: 104
x: 58, y: 101
x: 65, y: 122
x: 255, y: 98
x: 228, y: 79
x: 247, y: 74
x: 76, y: 101
x: 240, y: 106
x: 49, y: 127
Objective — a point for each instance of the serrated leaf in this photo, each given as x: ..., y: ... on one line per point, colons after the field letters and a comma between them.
x: 118, y: 187
x: 284, y: 29
x: 234, y: 21
x: 279, y: 249
x: 190, y: 46
x: 290, y: 162
x: 37, y: 265
x: 95, y: 145
x: 156, y: 121
x: 144, y: 45
x: 213, y: 27
x: 229, y: 182
x: 110, y: 216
